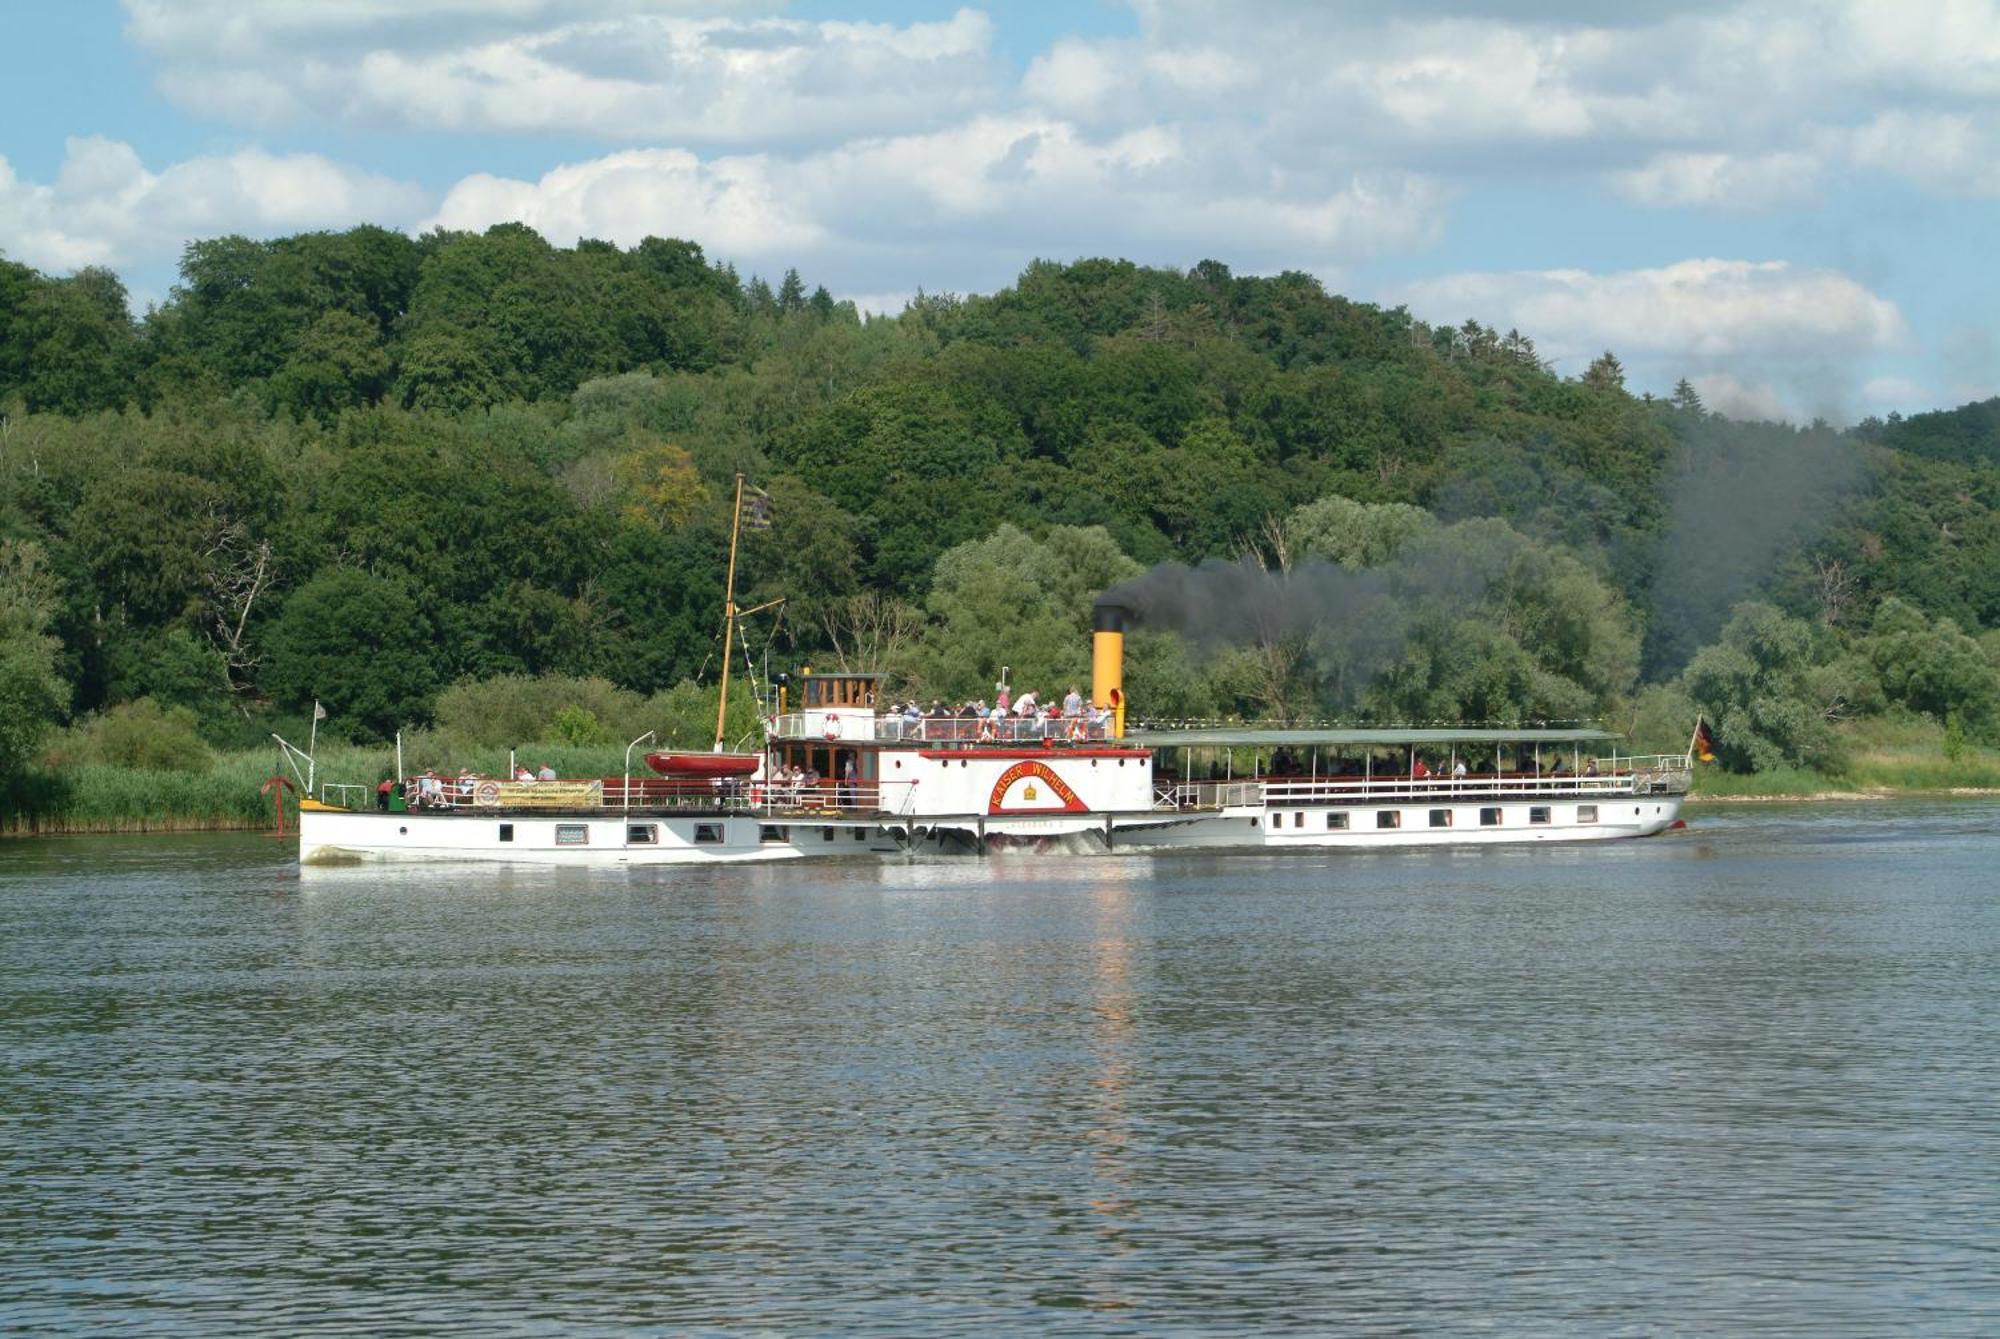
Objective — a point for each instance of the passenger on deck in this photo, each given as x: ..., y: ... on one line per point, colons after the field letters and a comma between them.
x: 547, y: 773
x: 1458, y: 770
x: 1590, y: 768
x: 1024, y: 705
x: 1003, y: 700
x: 850, y: 785
x: 1419, y: 768
x: 1073, y: 702
x: 523, y: 774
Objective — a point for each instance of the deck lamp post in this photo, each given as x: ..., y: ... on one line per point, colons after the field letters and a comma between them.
x: 625, y: 791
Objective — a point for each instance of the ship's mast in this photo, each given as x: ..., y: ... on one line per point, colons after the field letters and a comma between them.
x: 729, y: 612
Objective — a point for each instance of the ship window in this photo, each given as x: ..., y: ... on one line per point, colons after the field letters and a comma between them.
x: 572, y: 834
x: 1586, y: 813
x: 642, y: 834
x: 1336, y: 819
x: 1538, y: 813
x: 506, y: 832
x: 861, y: 834
x: 1440, y: 818
x: 1489, y: 818
x: 826, y: 834
x: 710, y: 833
x: 1388, y: 818
x: 774, y: 833
x: 1298, y: 820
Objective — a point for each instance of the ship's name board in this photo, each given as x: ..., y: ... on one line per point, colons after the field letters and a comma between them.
x: 540, y: 794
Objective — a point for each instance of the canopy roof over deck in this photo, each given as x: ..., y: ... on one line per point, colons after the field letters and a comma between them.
x: 1387, y: 737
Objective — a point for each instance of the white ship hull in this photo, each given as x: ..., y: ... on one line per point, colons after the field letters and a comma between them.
x: 1282, y: 829
x: 341, y: 837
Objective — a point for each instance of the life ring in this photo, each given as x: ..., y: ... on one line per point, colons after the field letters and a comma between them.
x: 1079, y: 729
x: 832, y: 730
x: 988, y: 732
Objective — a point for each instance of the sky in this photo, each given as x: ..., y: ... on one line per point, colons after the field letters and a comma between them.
x: 1794, y: 204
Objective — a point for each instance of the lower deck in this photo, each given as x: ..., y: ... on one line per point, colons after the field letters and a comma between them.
x: 681, y: 836
x: 1481, y: 820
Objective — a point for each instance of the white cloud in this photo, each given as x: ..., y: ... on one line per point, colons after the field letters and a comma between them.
x: 1721, y: 181
x: 1726, y: 104
x: 1024, y: 186
x: 106, y: 208
x: 1723, y: 394
x: 1952, y: 154
x: 879, y: 304
x: 1705, y: 309
x: 625, y: 72
x: 1768, y: 335
x: 732, y: 205
x: 1899, y: 393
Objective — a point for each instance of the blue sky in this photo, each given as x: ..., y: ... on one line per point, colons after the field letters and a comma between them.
x: 1790, y: 202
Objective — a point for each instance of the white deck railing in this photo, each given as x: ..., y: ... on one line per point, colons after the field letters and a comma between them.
x: 654, y: 794
x: 1662, y: 775
x: 797, y: 727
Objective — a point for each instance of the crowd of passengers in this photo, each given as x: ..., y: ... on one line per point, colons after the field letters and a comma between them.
x: 1006, y: 717
x: 430, y: 789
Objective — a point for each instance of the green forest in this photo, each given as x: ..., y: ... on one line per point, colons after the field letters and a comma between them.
x: 478, y: 487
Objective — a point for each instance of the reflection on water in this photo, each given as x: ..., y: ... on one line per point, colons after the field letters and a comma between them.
x: 1740, y: 1079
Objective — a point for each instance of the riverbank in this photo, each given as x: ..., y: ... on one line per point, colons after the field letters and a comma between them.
x: 1885, y: 760
x: 93, y: 799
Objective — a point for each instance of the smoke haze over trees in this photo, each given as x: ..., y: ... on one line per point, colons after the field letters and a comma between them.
x: 366, y: 467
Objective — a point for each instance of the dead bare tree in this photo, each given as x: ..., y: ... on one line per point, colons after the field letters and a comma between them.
x: 870, y: 632
x: 1834, y: 585
x: 1270, y: 548
x: 238, y: 569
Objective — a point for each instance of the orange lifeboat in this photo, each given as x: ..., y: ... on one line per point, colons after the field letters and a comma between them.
x: 704, y: 766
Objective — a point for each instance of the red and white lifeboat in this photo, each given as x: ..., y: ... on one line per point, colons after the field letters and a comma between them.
x: 703, y: 766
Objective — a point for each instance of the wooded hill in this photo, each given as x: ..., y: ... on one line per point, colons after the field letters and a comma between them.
x: 366, y: 467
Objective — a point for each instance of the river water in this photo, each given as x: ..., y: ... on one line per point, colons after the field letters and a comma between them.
x: 1743, y: 1079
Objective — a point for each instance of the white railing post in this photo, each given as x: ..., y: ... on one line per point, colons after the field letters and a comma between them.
x: 625, y: 787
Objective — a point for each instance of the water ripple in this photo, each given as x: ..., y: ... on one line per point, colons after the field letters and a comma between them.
x: 1740, y: 1080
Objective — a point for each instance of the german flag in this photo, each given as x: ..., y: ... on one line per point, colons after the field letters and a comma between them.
x: 1704, y: 745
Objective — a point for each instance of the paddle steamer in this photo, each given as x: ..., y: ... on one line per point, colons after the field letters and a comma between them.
x: 890, y: 784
